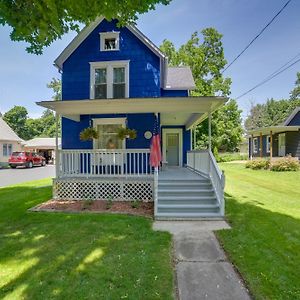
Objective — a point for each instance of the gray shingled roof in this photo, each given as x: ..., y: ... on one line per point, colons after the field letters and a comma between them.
x: 6, y: 133
x: 179, y: 78
x: 40, y: 143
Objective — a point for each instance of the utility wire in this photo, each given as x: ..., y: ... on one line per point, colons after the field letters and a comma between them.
x: 258, y: 35
x: 269, y: 78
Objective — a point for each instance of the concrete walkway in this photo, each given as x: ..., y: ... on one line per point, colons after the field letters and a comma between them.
x: 202, y: 269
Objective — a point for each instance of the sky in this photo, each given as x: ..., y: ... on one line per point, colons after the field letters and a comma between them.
x: 23, y: 76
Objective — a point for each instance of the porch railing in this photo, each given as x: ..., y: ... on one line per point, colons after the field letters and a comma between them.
x: 204, y: 162
x: 108, y: 163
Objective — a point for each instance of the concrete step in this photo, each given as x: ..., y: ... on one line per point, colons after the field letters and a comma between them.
x: 198, y: 200
x: 183, y: 181
x: 185, y: 192
x: 188, y: 216
x: 183, y: 198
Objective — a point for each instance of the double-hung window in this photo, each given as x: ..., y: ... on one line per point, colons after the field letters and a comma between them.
x: 255, y: 145
x: 268, y: 144
x: 109, y: 80
x: 7, y: 149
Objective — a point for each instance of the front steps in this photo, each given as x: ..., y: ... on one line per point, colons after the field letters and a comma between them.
x: 185, y: 197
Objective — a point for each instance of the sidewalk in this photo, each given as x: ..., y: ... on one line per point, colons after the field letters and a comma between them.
x: 202, y: 270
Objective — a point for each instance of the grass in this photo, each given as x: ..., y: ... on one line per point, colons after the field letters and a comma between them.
x: 263, y: 208
x: 74, y: 256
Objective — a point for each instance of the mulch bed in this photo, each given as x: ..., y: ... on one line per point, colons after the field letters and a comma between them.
x: 97, y: 206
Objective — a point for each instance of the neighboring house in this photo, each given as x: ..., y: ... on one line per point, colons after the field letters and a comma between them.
x: 115, y: 78
x: 45, y: 146
x: 276, y: 141
x: 9, y: 142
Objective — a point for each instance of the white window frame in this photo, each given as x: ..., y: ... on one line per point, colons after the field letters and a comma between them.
x: 109, y: 35
x: 255, y: 145
x: 109, y: 121
x: 8, y: 153
x: 268, y: 143
x: 109, y: 66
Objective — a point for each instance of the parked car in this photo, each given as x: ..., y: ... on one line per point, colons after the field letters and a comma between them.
x: 26, y: 159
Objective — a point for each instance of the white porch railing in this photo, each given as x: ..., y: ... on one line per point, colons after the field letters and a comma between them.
x: 106, y: 163
x: 204, y: 162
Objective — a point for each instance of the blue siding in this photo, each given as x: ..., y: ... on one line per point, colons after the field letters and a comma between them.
x: 144, y: 66
x: 296, y: 120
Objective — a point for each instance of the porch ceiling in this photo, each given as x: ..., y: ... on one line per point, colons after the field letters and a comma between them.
x: 190, y: 110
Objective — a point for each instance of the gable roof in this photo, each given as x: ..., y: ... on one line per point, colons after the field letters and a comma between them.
x: 6, y: 133
x: 179, y: 78
x: 291, y: 116
x: 42, y: 143
x: 84, y: 33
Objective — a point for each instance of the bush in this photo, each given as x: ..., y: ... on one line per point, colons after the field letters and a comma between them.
x: 287, y: 163
x: 230, y: 156
x: 258, y: 164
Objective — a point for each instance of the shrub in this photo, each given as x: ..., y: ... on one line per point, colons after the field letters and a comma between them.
x: 287, y: 163
x: 258, y: 164
x: 135, y: 204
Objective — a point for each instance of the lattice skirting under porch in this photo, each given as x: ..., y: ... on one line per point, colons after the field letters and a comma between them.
x: 125, y: 189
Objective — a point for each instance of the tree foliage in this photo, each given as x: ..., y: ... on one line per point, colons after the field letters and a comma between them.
x: 41, y: 22
x: 55, y: 85
x: 273, y: 112
x: 206, y: 59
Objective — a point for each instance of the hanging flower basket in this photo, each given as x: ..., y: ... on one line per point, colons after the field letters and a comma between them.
x: 126, y: 133
x: 88, y: 134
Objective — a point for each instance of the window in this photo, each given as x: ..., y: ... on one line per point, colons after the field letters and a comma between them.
x: 108, y: 133
x: 109, y: 41
x: 268, y: 143
x: 109, y: 80
x: 7, y: 149
x: 255, y: 145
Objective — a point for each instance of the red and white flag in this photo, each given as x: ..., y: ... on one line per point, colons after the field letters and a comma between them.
x: 155, y: 150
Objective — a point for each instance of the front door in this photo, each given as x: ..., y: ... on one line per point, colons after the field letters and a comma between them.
x: 281, y: 144
x: 172, y: 149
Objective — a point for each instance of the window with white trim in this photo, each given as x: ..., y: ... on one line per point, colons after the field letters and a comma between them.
x: 108, y: 133
x: 255, y: 145
x: 109, y: 80
x: 7, y: 149
x: 109, y: 41
x: 268, y: 144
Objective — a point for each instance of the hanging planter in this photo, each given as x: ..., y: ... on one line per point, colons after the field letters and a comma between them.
x: 88, y: 134
x: 126, y: 133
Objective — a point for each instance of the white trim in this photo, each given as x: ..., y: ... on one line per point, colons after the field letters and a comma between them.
x: 105, y: 121
x: 109, y: 35
x: 291, y: 116
x: 281, y: 148
x: 165, y: 131
x: 109, y: 65
x: 253, y: 145
x: 85, y: 32
x: 268, y: 143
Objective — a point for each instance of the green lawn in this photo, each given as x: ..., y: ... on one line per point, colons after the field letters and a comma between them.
x: 263, y: 208
x: 78, y: 256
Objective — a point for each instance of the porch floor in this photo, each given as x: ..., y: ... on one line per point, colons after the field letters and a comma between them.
x: 178, y: 173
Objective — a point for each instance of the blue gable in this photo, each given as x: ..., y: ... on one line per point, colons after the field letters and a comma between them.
x: 144, y: 66
x: 296, y: 120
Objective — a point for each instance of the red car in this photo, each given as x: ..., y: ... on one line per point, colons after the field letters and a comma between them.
x: 26, y: 159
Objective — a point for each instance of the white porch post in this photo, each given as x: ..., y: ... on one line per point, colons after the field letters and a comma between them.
x: 57, y: 162
x: 209, y: 131
x: 194, y: 137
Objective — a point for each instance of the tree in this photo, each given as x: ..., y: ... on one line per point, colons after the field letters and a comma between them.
x: 206, y: 60
x: 16, y: 118
x: 39, y: 23
x: 55, y: 85
x: 295, y: 93
x: 226, y: 129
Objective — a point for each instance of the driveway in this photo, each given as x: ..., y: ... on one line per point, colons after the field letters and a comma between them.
x: 19, y: 175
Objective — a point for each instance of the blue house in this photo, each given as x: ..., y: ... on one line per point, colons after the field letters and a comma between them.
x: 277, y: 141
x: 114, y: 78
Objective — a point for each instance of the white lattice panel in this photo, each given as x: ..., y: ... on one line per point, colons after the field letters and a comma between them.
x: 78, y: 189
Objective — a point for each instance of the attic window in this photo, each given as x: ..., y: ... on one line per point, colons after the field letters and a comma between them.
x: 109, y: 41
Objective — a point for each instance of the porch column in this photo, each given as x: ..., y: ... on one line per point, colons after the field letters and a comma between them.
x: 261, y: 145
x: 271, y: 145
x: 56, y: 146
x: 251, y: 147
x: 194, y: 137
x: 209, y: 131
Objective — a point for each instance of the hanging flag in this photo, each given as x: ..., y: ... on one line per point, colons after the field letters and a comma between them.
x: 155, y: 151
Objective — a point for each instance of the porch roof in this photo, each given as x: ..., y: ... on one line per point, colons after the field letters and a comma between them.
x: 188, y: 111
x: 274, y: 129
